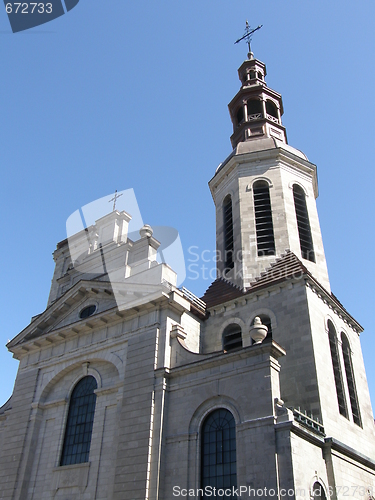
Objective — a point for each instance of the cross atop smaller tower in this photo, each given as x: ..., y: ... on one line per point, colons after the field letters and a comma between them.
x: 248, y: 36
x: 114, y: 199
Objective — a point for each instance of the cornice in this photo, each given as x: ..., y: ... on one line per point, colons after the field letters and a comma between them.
x: 39, y: 338
x: 309, y: 281
x: 287, y: 158
x: 211, y: 360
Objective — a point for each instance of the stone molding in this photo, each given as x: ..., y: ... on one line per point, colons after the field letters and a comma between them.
x: 70, y: 476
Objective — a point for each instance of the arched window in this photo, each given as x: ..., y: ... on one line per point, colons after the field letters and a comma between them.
x: 266, y: 320
x: 271, y: 109
x: 350, y: 379
x: 218, y: 451
x: 318, y: 491
x: 337, y: 369
x: 303, y: 223
x: 263, y: 219
x: 228, y: 232
x: 232, y: 337
x: 78, y: 430
x: 254, y: 107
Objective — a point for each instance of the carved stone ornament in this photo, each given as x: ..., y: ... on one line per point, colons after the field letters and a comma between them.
x: 258, y: 332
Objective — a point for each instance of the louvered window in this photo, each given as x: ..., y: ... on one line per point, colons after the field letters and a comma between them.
x: 303, y: 224
x: 218, y: 453
x: 78, y: 430
x: 228, y: 232
x: 263, y: 219
x: 337, y: 369
x: 232, y: 337
x: 350, y: 379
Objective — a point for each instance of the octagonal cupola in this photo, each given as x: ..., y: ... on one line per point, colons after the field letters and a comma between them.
x: 256, y: 110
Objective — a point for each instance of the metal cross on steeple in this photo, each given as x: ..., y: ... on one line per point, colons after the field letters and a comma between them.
x: 114, y: 199
x: 248, y: 34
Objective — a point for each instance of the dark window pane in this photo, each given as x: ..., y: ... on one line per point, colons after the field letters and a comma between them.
x: 79, y: 424
x: 87, y: 311
x: 219, y: 468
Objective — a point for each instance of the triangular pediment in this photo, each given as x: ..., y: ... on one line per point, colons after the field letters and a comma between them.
x: 108, y: 299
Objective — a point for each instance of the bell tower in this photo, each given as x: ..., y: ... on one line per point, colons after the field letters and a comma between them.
x: 265, y: 190
x: 255, y: 110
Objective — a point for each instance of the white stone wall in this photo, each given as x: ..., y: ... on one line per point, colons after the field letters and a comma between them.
x: 288, y: 177
x: 335, y: 424
x: 351, y: 479
x: 308, y: 467
x: 280, y: 171
x: 244, y: 383
x: 286, y: 306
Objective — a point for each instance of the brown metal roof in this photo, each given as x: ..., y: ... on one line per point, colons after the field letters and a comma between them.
x: 286, y: 267
x: 221, y: 291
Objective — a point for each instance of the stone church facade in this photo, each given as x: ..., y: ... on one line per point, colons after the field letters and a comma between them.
x: 130, y: 388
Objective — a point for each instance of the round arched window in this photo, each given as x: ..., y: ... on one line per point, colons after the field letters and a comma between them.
x: 87, y: 311
x: 218, y: 451
x: 232, y: 337
x: 271, y: 109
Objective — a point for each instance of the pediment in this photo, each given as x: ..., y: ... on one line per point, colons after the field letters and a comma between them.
x: 111, y: 300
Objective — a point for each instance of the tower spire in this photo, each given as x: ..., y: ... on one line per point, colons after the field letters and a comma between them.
x: 256, y: 110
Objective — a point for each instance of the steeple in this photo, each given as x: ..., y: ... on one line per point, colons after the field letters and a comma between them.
x: 256, y: 110
x: 265, y: 191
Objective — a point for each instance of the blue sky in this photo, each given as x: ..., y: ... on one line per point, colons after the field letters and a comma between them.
x: 118, y: 95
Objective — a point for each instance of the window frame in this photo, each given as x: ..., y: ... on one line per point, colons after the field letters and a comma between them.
x: 337, y: 369
x: 306, y: 241
x: 350, y: 379
x: 82, y: 456
x: 228, y: 333
x: 266, y: 245
x: 233, y: 439
x: 228, y: 233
